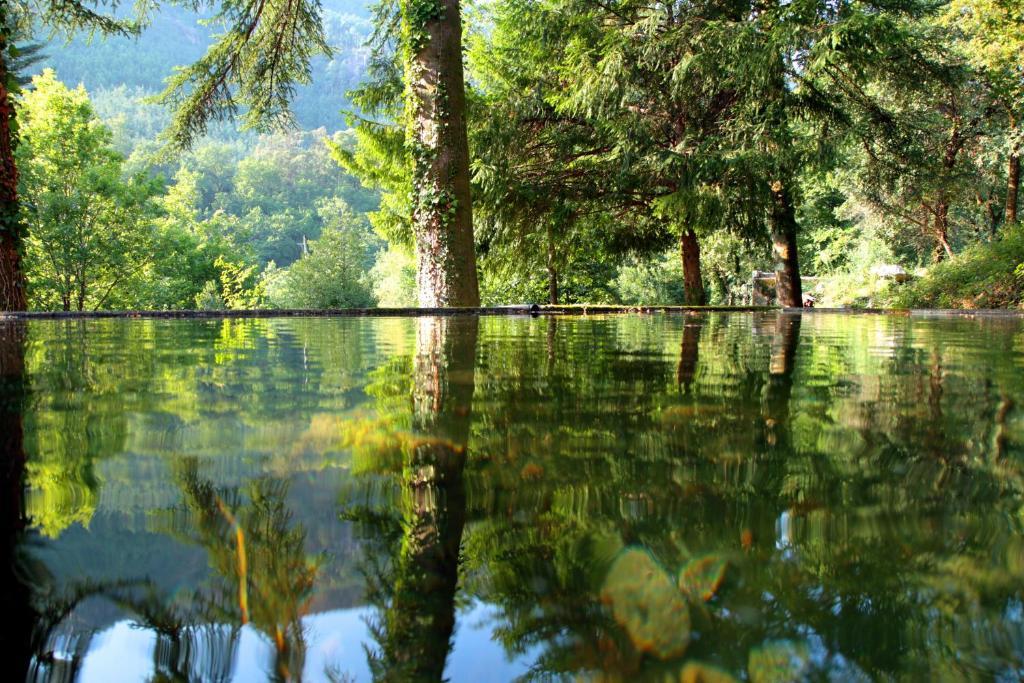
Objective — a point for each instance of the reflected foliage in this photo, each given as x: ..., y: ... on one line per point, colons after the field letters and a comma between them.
x: 705, y: 497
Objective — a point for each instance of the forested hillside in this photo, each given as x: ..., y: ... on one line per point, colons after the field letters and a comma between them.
x: 216, y: 225
x: 177, y: 37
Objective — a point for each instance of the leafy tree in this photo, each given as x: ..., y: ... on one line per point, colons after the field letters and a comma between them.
x: 16, y: 19
x: 394, y: 277
x: 87, y: 226
x: 188, y: 244
x: 284, y: 178
x: 990, y: 34
x: 333, y: 271
x: 238, y: 287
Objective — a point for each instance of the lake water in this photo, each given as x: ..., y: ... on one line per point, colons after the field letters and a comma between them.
x: 750, y: 496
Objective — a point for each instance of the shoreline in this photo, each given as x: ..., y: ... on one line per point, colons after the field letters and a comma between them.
x: 519, y: 310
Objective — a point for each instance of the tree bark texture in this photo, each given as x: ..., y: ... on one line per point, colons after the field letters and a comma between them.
x: 943, y: 250
x: 788, y: 290
x: 436, y: 106
x: 12, y: 278
x: 693, y: 281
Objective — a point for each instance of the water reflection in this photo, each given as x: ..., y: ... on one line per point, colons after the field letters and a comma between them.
x: 417, y: 591
x: 700, y: 498
x: 18, y: 626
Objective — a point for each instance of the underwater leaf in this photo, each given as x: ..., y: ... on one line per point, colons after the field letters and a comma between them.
x: 701, y: 577
x: 647, y: 604
x: 778, y: 661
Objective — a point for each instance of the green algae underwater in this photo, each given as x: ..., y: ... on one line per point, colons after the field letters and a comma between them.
x: 762, y: 496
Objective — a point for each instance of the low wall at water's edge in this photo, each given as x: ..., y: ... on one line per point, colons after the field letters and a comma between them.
x: 526, y: 309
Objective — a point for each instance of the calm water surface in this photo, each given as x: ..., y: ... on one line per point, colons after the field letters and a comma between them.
x: 763, y: 497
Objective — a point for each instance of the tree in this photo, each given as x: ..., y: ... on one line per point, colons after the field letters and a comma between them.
x: 88, y: 229
x: 992, y: 40
x: 435, y: 111
x: 187, y: 244
x: 17, y: 18
x: 264, y: 51
x: 332, y: 273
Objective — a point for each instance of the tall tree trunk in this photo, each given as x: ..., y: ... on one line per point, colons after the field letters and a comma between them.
x: 552, y: 270
x: 12, y: 279
x: 1012, y: 188
x: 788, y: 290
x: 693, y: 281
x: 420, y: 619
x: 942, y: 248
x: 436, y: 106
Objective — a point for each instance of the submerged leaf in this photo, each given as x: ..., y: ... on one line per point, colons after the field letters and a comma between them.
x: 701, y: 577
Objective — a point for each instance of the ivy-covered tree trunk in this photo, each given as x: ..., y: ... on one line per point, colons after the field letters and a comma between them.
x: 788, y: 290
x: 1012, y: 188
x: 12, y: 279
x: 436, y: 132
x: 693, y: 280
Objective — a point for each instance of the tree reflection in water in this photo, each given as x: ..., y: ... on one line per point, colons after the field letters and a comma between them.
x: 417, y: 586
x: 17, y: 627
x: 765, y: 497
x: 263, y: 579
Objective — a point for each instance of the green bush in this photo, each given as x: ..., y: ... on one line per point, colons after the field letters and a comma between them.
x: 989, y: 275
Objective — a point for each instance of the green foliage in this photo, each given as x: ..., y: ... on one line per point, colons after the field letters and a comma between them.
x: 651, y: 281
x: 394, y: 278
x: 265, y: 49
x: 209, y: 298
x: 599, y: 132
x: 178, y: 35
x: 89, y: 235
x: 986, y: 275
x: 240, y: 287
x: 333, y: 272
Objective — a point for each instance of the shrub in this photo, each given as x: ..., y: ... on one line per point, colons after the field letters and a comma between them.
x: 989, y: 275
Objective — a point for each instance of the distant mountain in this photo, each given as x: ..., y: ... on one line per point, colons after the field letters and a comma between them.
x: 177, y: 37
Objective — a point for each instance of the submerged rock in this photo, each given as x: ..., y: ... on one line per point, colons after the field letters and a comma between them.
x: 647, y: 604
x: 696, y: 672
x: 778, y: 661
